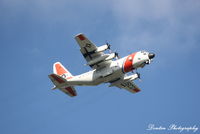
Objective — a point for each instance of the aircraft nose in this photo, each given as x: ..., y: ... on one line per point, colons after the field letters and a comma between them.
x: 151, y: 55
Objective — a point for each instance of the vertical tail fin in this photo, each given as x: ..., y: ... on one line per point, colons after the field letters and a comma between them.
x: 59, y: 69
x: 59, y: 79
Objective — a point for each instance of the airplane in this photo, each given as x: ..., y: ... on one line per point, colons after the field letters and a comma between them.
x: 106, y: 68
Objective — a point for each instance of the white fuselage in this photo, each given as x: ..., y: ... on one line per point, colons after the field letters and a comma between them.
x: 114, y: 71
x: 95, y: 77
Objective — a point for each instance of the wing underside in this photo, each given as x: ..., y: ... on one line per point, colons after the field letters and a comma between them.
x: 128, y: 85
x: 89, y: 51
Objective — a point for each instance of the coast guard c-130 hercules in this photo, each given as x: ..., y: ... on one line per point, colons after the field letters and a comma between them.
x: 104, y: 68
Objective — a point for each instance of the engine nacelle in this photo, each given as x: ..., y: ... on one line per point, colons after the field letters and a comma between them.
x: 111, y: 56
x: 127, y: 78
x: 102, y: 48
x: 131, y: 77
x: 97, y: 60
x: 105, y: 57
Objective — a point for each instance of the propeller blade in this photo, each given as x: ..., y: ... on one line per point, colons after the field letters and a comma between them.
x: 139, y: 78
x: 109, y: 47
x: 117, y: 55
x: 138, y: 74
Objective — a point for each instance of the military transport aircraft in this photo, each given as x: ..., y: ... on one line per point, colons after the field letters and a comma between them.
x: 106, y: 68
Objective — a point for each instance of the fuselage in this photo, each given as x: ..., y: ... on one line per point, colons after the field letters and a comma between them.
x: 114, y: 71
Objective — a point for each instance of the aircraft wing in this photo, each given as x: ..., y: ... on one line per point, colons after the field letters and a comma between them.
x: 128, y: 85
x: 88, y: 50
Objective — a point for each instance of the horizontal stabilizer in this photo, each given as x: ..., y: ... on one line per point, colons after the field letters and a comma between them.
x: 69, y: 91
x: 61, y: 84
x: 57, y: 80
x: 128, y: 85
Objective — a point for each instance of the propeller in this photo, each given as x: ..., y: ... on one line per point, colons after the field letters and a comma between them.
x: 138, y: 74
x: 109, y: 46
x: 139, y: 78
x: 117, y: 55
x: 110, y: 51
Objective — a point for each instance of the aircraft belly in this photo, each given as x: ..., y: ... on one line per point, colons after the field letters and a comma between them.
x: 113, y: 76
x: 96, y: 77
x: 102, y: 77
x: 82, y: 81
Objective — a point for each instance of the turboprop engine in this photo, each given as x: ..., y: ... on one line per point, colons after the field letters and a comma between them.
x: 105, y: 57
x: 103, y: 48
x: 132, y: 77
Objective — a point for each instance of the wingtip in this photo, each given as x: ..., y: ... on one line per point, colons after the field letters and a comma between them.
x: 80, y: 36
x: 136, y: 90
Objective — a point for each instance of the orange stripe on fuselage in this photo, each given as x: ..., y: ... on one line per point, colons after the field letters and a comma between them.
x: 128, y: 64
x: 60, y: 70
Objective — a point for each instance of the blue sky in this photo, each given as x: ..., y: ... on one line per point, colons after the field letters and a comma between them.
x: 36, y: 33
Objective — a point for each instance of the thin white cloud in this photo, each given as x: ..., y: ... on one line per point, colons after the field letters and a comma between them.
x: 142, y: 24
x: 167, y: 24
